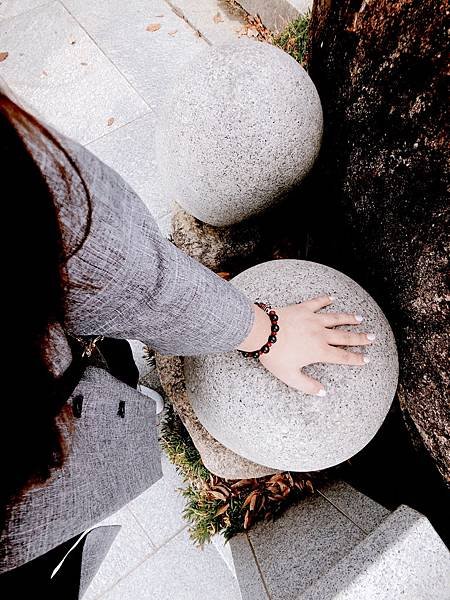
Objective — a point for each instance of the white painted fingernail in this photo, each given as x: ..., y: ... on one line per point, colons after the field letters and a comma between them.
x: 371, y: 337
x: 366, y: 359
x: 359, y: 318
x: 321, y: 393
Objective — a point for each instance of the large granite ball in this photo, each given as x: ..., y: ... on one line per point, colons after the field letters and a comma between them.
x: 241, y: 126
x: 254, y: 414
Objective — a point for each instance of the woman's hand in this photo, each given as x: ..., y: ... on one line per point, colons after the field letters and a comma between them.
x: 306, y: 337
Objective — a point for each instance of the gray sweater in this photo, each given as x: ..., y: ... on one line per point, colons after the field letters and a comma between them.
x: 127, y: 281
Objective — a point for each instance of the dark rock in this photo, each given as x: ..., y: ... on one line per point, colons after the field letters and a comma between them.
x: 382, y: 217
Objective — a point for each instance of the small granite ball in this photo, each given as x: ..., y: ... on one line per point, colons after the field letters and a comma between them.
x: 253, y: 413
x: 241, y: 126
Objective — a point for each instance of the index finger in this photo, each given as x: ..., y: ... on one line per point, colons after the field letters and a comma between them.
x: 316, y: 304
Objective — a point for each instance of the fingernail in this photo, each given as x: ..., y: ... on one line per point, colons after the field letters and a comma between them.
x: 371, y: 337
x: 359, y: 318
x: 321, y: 393
x: 366, y: 360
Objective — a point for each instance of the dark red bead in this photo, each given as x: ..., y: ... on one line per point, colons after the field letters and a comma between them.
x: 269, y: 344
x: 274, y: 318
x: 272, y: 312
x: 265, y: 349
x: 246, y: 354
x: 256, y: 354
x: 272, y: 339
x: 275, y: 328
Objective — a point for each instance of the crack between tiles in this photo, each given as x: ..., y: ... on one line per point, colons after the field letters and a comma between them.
x: 179, y: 13
x: 106, y: 56
x: 138, y: 565
x: 342, y: 512
x: 265, y: 586
x: 150, y: 111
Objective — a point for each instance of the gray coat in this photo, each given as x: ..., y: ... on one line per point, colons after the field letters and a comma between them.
x: 129, y: 282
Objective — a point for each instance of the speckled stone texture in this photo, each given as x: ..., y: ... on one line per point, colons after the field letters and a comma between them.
x: 257, y: 416
x: 219, y: 460
x: 402, y: 558
x: 241, y: 127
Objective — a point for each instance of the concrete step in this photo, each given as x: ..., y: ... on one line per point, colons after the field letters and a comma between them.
x: 340, y: 545
x: 283, y: 558
x: 402, y: 558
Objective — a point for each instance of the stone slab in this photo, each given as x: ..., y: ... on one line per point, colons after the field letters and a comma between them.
x: 178, y: 571
x: 403, y: 558
x: 359, y: 508
x: 295, y: 550
x: 218, y: 21
x: 58, y: 71
x: 129, y: 549
x: 159, y: 509
x: 150, y: 60
x: 130, y: 151
x: 12, y: 8
x: 276, y: 14
x: 257, y: 416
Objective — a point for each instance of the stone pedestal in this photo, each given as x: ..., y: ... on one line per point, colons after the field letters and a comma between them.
x: 255, y: 415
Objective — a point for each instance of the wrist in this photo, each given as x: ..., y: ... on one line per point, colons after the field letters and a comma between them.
x: 259, y: 332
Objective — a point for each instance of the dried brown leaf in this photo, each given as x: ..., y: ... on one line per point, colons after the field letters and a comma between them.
x: 242, y: 483
x: 110, y: 121
x: 309, y: 486
x: 173, y: 32
x: 224, y: 275
x: 222, y: 509
x: 153, y: 27
x: 217, y: 495
x: 247, y: 520
x: 249, y: 498
x: 218, y: 18
x: 3, y: 56
x: 253, y: 502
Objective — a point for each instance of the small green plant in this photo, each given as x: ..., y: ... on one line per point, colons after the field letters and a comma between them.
x: 294, y: 38
x: 217, y: 505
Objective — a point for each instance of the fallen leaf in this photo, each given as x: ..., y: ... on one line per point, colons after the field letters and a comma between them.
x: 110, y: 121
x: 153, y: 27
x: 252, y: 32
x: 218, y: 18
x: 222, y: 509
x: 217, y: 495
x: 3, y: 56
x: 72, y: 41
x: 249, y: 498
x: 84, y: 64
x: 247, y: 520
x: 173, y: 32
x: 224, y: 275
x: 44, y: 73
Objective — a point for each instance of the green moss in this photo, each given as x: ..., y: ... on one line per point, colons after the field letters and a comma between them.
x: 217, y: 505
x: 293, y: 39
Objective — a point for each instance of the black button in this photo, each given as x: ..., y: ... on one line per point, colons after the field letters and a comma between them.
x: 77, y: 405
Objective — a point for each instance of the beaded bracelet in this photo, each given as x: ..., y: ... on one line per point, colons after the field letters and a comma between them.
x: 275, y: 328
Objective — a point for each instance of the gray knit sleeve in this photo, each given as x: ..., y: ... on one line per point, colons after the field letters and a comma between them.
x: 128, y: 281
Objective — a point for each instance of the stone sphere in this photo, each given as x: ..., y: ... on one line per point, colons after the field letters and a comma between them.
x: 241, y: 126
x: 254, y: 414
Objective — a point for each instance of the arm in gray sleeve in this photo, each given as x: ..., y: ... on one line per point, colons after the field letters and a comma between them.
x: 128, y: 281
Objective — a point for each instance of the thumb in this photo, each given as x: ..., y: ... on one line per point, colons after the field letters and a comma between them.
x: 306, y: 384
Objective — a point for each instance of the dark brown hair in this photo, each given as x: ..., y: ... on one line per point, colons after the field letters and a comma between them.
x: 35, y: 282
